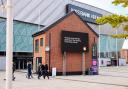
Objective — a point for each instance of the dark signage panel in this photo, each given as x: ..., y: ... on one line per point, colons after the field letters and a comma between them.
x: 94, y: 59
x: 74, y: 41
x: 86, y: 15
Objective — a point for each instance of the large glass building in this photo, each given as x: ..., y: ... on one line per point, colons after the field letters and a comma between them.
x: 22, y: 42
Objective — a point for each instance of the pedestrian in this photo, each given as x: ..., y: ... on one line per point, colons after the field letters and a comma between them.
x: 39, y: 70
x: 29, y: 71
x: 42, y: 70
x: 13, y: 70
x: 46, y: 73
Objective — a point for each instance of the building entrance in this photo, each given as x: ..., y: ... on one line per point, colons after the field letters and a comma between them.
x: 38, y: 60
x: 21, y: 62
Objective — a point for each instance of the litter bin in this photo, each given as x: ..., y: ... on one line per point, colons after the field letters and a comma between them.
x: 54, y: 72
x: 87, y: 72
x: 90, y: 71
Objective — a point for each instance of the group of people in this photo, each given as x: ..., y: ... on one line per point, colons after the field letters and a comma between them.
x: 43, y: 71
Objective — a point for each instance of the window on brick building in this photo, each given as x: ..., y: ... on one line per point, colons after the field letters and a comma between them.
x: 37, y: 45
x: 41, y: 41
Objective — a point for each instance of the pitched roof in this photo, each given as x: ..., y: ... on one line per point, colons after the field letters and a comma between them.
x: 61, y: 19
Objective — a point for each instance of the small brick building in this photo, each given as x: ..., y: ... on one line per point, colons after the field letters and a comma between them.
x: 47, y: 46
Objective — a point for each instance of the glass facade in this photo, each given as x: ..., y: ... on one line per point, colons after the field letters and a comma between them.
x: 108, y: 46
x: 23, y: 41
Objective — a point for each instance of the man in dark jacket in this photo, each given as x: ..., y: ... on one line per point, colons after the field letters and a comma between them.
x: 13, y: 70
x: 46, y: 73
x: 29, y: 70
x: 39, y: 70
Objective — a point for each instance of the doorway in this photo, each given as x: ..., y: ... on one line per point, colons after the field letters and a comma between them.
x: 38, y: 60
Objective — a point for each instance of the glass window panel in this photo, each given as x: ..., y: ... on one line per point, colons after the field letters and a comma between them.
x: 41, y: 41
x: 37, y: 45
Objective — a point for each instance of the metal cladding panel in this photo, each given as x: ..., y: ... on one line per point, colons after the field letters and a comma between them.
x: 85, y: 14
x: 44, y: 12
x: 26, y: 10
x: 89, y: 7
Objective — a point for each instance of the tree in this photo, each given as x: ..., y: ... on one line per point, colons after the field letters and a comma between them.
x: 116, y: 20
x: 123, y: 2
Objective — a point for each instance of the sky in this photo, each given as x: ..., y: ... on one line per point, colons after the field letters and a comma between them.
x: 106, y: 5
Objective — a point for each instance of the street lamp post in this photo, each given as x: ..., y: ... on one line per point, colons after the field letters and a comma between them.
x: 99, y: 47
x: 9, y: 44
x: 117, y: 51
x: 83, y: 60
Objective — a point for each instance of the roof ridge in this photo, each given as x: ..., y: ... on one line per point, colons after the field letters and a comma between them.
x: 61, y: 19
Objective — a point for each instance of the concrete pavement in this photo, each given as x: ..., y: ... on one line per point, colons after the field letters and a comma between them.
x: 109, y: 78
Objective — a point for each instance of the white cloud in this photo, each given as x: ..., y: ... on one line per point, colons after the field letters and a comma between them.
x: 106, y: 5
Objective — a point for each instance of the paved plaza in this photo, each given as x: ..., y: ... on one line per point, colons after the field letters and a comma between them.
x: 109, y: 78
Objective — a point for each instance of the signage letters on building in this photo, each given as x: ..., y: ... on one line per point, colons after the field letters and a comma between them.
x: 73, y: 41
x: 86, y: 15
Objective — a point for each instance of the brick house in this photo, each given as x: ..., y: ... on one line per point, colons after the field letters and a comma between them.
x: 47, y: 45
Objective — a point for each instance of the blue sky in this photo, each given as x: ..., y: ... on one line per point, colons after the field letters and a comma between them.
x: 106, y: 5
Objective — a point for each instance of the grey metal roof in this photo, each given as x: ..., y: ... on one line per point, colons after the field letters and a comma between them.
x: 46, y: 12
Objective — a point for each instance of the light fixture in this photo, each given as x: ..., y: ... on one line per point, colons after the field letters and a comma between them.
x: 47, y: 48
x: 84, y: 48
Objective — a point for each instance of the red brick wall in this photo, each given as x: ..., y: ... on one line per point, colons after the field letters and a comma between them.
x: 124, y: 54
x: 74, y: 60
x: 41, y: 52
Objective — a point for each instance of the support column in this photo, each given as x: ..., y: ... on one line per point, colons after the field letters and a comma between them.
x: 37, y: 62
x: 83, y: 63
x: 64, y: 64
x: 99, y: 48
x: 19, y: 65
x: 23, y: 64
x: 34, y: 64
x: 83, y: 60
x: 9, y: 44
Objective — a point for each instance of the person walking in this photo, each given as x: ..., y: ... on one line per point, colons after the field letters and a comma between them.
x: 13, y: 70
x: 42, y: 70
x: 39, y: 70
x: 29, y: 72
x: 46, y: 73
